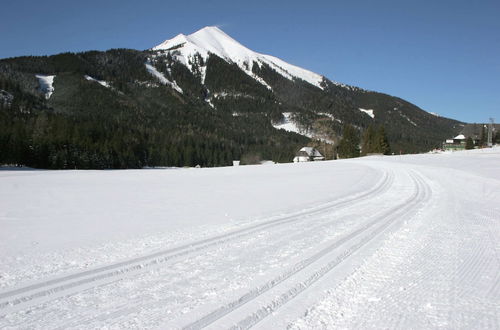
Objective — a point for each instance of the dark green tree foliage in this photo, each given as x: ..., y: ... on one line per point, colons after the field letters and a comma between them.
x: 409, y: 128
x: 483, y: 137
x: 469, y: 143
x: 131, y: 125
x: 369, y: 140
x: 375, y: 141
x: 139, y: 122
x: 382, y: 142
x: 349, y: 144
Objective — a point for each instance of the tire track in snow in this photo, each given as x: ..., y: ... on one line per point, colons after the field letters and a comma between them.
x: 388, y: 217
x: 61, y: 286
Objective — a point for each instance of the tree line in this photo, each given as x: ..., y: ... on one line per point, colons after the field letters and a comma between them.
x: 374, y: 141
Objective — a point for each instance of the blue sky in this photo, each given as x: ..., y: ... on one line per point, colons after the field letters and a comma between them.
x: 444, y: 56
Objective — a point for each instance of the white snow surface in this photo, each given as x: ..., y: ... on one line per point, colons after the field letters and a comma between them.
x: 161, y: 77
x: 46, y: 84
x: 213, y: 40
x: 407, y: 242
x: 290, y: 126
x: 369, y: 112
x: 100, y: 82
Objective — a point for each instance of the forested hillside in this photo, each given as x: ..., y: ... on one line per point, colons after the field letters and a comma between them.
x: 125, y: 108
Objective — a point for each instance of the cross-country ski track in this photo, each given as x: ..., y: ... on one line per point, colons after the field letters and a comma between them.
x: 414, y: 243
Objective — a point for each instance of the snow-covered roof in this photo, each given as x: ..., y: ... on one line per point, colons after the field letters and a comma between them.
x: 459, y: 137
x: 311, y: 152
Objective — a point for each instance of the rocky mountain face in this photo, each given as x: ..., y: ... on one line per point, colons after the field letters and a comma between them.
x: 200, y: 99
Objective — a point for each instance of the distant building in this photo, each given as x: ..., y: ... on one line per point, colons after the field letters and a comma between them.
x: 308, y: 154
x: 457, y: 143
x: 475, y: 131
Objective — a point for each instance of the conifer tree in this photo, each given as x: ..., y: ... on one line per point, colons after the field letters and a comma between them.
x: 382, y: 142
x: 482, y: 139
x: 349, y: 144
x: 375, y: 141
x: 469, y: 143
x: 368, y: 140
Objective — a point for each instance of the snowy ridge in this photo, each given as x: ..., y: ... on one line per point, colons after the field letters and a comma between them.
x: 151, y: 69
x: 213, y: 40
x: 46, y: 84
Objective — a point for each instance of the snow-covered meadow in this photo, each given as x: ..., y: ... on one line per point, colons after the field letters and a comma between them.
x: 378, y: 242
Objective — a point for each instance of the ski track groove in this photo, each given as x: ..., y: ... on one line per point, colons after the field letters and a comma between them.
x: 56, y: 287
x: 387, y: 184
x: 420, y: 195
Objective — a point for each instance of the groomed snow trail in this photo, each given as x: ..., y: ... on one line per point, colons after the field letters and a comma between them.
x: 59, y: 286
x: 412, y: 243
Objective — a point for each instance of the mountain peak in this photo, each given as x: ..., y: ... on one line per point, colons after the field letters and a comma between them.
x: 212, y: 40
x: 210, y: 29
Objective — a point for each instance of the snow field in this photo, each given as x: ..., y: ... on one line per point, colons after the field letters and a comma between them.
x: 377, y: 242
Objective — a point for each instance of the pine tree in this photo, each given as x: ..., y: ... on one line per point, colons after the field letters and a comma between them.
x: 382, y: 142
x: 368, y: 140
x: 482, y: 139
x: 375, y: 141
x: 349, y: 144
x: 469, y: 143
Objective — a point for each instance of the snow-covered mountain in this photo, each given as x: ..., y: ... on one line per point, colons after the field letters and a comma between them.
x: 198, y: 99
x: 213, y: 40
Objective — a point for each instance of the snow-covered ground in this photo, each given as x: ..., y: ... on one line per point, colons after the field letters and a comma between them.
x: 100, y: 82
x: 46, y: 84
x: 290, y: 126
x: 369, y: 112
x: 161, y: 77
x: 408, y: 242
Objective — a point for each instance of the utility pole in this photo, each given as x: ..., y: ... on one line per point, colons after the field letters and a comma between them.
x: 490, y: 133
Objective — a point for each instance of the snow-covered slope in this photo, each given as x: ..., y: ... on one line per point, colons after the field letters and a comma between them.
x: 213, y: 40
x: 46, y: 84
x: 369, y: 112
x: 290, y: 126
x: 100, y: 82
x: 398, y: 242
x: 161, y: 77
